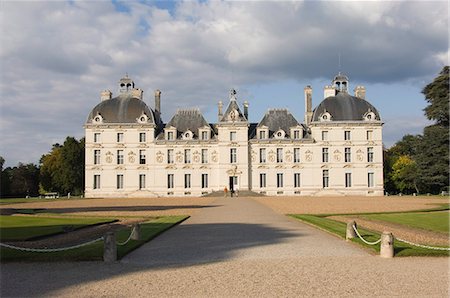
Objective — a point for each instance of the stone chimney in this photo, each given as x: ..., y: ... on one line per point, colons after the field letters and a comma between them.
x: 360, y: 92
x: 308, y: 104
x: 329, y: 91
x: 138, y: 93
x: 246, y: 110
x: 105, y: 95
x: 220, y: 113
x: 158, y: 101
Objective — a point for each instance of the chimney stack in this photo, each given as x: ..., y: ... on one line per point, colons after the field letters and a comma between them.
x: 136, y: 92
x: 308, y: 104
x: 329, y: 91
x: 246, y: 110
x: 220, y: 114
x: 360, y: 92
x: 158, y: 101
x: 105, y: 95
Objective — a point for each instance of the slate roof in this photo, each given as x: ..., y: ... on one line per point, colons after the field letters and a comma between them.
x: 185, y: 120
x: 122, y: 109
x: 344, y: 107
x: 233, y: 105
x: 276, y: 119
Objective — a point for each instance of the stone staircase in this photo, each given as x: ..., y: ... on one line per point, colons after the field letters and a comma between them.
x: 242, y: 193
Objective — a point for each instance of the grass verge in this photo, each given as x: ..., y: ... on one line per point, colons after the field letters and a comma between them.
x: 94, y: 252
x: 339, y: 229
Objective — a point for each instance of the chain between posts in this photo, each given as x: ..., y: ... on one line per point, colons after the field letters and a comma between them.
x: 422, y: 246
x: 367, y: 242
x: 50, y: 249
x: 126, y: 241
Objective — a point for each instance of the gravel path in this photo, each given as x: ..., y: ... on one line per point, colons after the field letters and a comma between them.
x: 246, y: 251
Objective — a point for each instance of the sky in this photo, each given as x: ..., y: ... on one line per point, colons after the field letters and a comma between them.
x: 57, y: 56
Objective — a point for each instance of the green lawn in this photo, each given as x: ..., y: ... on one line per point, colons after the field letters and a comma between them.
x: 339, y: 229
x: 35, y: 199
x: 94, y: 252
x: 25, y: 228
x: 431, y: 221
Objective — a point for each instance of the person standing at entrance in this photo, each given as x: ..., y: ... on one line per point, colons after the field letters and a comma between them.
x: 225, y: 192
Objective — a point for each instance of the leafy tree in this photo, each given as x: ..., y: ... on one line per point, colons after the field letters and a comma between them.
x: 23, y: 180
x: 436, y: 94
x: 405, y: 174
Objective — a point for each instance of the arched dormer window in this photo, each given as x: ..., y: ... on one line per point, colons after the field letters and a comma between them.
x: 325, y: 116
x: 142, y: 119
x: 98, y: 119
x: 279, y: 134
x: 187, y: 135
x: 369, y: 116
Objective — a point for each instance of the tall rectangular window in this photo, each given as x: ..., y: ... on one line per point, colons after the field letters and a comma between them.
x: 96, y: 181
x: 279, y: 180
x: 141, y: 181
x: 204, y: 180
x: 370, y: 154
x: 325, y: 179
x: 187, y: 155
x: 370, y: 180
x: 369, y: 135
x: 348, y: 154
x: 170, y: 135
x: 204, y: 155
x: 119, y: 181
x: 142, y: 157
x: 96, y: 157
x: 232, y: 136
x: 119, y: 157
x: 347, y: 135
x: 324, y: 154
x: 297, y: 134
x: 233, y: 155
x: 348, y: 179
x: 324, y: 135
x: 262, y: 155
x: 279, y: 154
x: 187, y: 180
x: 120, y: 137
x: 96, y: 137
x: 170, y: 181
x: 142, y: 137
x: 296, y: 179
x: 204, y: 135
x: 169, y: 155
x: 262, y: 134
x: 296, y: 154
x: 262, y: 180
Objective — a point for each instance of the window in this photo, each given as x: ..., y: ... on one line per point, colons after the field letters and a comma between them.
x: 142, y: 137
x: 142, y: 157
x: 232, y: 136
x: 279, y: 154
x: 262, y: 134
x: 262, y: 155
x: 324, y: 154
x: 187, y: 180
x: 141, y: 181
x: 370, y: 182
x: 348, y: 179
x: 170, y: 181
x: 347, y: 135
x: 297, y: 134
x: 296, y: 154
x: 296, y: 179
x: 96, y: 181
x: 279, y: 180
x: 119, y: 157
x: 369, y: 135
x: 96, y: 137
x: 233, y: 155
x: 204, y: 155
x: 325, y: 179
x: 324, y: 135
x: 204, y: 180
x: 262, y: 180
x: 204, y: 135
x: 119, y: 181
x: 370, y: 154
x: 187, y: 155
x: 120, y: 137
x: 348, y: 154
x: 170, y: 135
x: 96, y: 157
x: 170, y: 156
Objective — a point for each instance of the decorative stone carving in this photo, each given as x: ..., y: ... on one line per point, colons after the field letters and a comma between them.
x: 337, y: 155
x: 308, y: 155
x: 131, y: 157
x: 214, y: 156
x: 159, y: 157
x: 109, y: 158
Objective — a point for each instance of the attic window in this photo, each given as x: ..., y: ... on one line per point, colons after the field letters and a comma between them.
x: 188, y: 135
x: 279, y: 134
x: 98, y: 119
x: 369, y: 116
x: 142, y: 119
x: 325, y: 116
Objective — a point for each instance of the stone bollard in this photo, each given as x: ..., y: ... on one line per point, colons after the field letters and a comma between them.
x: 110, y: 248
x: 350, y: 232
x: 387, y: 245
x: 136, y: 233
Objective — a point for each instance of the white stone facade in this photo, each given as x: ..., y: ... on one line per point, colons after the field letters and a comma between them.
x: 133, y: 154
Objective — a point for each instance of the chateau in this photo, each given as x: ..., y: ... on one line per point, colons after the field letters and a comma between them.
x: 131, y: 152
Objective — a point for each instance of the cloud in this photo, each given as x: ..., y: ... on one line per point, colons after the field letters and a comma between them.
x: 56, y: 57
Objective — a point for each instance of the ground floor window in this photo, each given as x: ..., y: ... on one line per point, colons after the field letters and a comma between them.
x: 279, y: 180
x: 325, y: 178
x: 170, y: 181
x: 119, y: 181
x: 141, y: 181
x: 296, y: 179
x: 262, y: 180
x: 187, y: 180
x: 370, y: 180
x: 348, y: 179
x: 204, y: 180
x: 96, y: 181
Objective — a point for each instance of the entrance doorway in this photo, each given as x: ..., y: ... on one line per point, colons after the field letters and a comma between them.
x: 233, y: 184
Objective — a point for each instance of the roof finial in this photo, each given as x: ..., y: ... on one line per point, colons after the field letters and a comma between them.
x: 339, y: 65
x: 232, y: 94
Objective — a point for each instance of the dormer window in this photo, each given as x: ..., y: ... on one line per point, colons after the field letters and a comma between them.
x: 170, y: 135
x: 262, y: 133
x: 296, y: 134
x: 369, y: 116
x: 325, y: 116
x: 204, y: 135
x: 97, y: 119
x: 143, y: 118
x: 279, y: 134
x: 188, y: 135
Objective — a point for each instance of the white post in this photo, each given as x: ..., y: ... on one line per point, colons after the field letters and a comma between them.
x: 110, y: 248
x: 350, y: 232
x: 136, y: 233
x: 387, y: 245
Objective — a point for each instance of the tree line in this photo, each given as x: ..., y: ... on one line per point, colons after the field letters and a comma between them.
x: 415, y: 164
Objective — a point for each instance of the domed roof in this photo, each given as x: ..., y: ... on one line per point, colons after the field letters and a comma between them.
x: 122, y: 109
x: 344, y: 107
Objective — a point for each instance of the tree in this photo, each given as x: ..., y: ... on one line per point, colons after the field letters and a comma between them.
x: 22, y: 180
x: 436, y: 94
x: 405, y: 174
